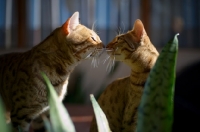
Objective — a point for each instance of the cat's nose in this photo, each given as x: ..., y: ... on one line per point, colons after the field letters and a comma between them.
x: 101, y: 45
x: 108, y: 46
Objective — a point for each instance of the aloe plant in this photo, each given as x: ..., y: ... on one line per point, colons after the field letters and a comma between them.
x: 101, y: 120
x: 155, y: 113
x: 60, y: 119
x: 3, y: 126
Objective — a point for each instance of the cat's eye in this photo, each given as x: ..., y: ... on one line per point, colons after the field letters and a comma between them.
x: 93, y: 39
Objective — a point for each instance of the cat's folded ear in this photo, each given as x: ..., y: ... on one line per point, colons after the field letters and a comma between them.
x: 138, y: 29
x: 71, y: 23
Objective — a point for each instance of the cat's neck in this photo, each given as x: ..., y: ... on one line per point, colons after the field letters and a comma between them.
x: 138, y: 78
x: 55, y: 47
x: 53, y: 56
x: 140, y: 71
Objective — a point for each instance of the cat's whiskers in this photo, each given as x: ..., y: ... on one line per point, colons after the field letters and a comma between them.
x: 111, y: 63
x: 100, y: 51
x: 97, y: 52
x: 119, y: 31
x: 108, y: 68
x: 93, y: 26
x: 109, y: 49
x: 94, y: 62
x: 113, y: 60
x: 94, y: 58
x: 88, y: 55
x: 124, y: 27
x: 106, y: 59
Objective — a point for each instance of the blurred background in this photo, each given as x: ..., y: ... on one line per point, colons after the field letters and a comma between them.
x: 25, y: 23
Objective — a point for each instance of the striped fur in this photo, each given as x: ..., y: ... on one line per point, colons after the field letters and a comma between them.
x: 22, y: 87
x: 121, y: 98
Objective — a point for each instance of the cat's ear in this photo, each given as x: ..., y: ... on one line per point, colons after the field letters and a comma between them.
x: 138, y: 29
x: 71, y: 23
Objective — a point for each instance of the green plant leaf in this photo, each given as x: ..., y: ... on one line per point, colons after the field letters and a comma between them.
x: 59, y: 116
x: 155, y: 113
x: 47, y: 124
x: 3, y: 126
x: 101, y: 120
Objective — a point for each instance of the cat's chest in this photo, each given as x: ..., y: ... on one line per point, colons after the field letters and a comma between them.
x: 59, y: 82
x: 62, y: 90
x: 133, y: 91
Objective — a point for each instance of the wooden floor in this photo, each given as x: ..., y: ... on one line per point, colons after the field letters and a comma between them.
x: 81, y: 116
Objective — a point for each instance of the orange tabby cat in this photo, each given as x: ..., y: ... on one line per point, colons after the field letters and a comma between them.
x: 121, y: 98
x: 22, y: 87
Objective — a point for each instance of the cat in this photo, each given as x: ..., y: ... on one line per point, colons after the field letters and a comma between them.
x: 22, y: 87
x: 121, y: 98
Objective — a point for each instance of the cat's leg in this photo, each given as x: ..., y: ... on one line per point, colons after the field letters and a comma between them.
x: 37, y: 124
x: 21, y: 117
x: 129, y: 122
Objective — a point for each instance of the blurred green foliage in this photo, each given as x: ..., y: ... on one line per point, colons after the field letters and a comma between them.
x: 156, y: 108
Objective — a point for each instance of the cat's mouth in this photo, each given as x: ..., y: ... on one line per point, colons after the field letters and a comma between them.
x: 116, y: 54
x: 112, y: 52
x: 97, y: 52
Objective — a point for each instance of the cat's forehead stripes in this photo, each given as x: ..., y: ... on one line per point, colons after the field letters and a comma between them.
x: 94, y: 35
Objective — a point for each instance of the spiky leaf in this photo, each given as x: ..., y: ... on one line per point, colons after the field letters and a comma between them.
x: 47, y: 124
x: 155, y: 113
x: 60, y: 118
x: 3, y: 126
x: 101, y: 120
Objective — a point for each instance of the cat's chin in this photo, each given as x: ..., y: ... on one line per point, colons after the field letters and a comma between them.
x: 116, y: 57
x: 112, y: 54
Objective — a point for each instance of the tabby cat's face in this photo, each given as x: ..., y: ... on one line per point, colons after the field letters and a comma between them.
x: 82, y: 42
x: 119, y: 48
x: 85, y: 42
x: 134, y: 47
